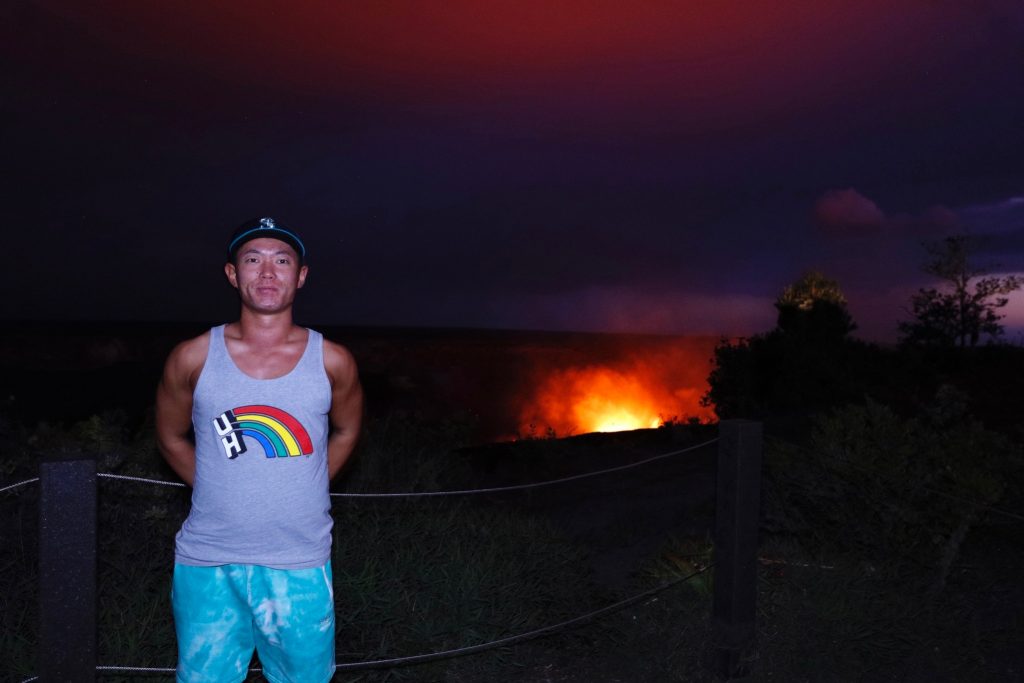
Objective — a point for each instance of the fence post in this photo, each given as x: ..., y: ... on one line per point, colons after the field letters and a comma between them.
x: 67, y: 568
x: 736, y: 525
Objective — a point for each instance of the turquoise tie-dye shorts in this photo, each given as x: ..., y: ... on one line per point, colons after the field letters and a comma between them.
x: 222, y: 613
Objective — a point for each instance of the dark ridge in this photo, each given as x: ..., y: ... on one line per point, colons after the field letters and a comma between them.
x: 66, y: 371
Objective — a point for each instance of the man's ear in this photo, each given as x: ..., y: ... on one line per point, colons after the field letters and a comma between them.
x: 303, y: 272
x: 232, y: 274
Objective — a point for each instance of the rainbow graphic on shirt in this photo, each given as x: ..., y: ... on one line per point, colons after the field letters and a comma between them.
x: 280, y: 434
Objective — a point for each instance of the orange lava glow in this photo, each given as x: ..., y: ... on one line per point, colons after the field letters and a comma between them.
x: 613, y: 397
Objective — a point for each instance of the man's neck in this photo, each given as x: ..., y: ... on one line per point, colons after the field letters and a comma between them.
x: 265, y: 329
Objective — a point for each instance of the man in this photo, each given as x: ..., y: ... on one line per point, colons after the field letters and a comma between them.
x: 276, y: 411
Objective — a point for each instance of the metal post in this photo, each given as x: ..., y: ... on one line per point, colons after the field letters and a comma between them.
x: 67, y: 568
x: 736, y: 525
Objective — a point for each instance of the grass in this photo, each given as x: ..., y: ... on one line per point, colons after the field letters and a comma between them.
x: 451, y: 575
x: 415, y: 576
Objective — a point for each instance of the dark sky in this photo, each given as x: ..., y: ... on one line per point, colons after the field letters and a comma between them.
x: 651, y: 167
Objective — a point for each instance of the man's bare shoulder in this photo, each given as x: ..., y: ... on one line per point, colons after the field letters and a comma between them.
x: 339, y: 362
x: 187, y: 358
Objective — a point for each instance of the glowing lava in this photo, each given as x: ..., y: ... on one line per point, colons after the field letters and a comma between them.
x: 603, y: 398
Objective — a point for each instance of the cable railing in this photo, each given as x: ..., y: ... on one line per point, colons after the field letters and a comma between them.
x: 11, y: 487
x: 735, y: 449
x: 426, y: 494
x: 531, y: 485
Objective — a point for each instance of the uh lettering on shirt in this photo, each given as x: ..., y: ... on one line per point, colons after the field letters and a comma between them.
x: 229, y: 430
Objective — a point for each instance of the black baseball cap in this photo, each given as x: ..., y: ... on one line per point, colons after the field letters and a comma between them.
x: 264, y: 227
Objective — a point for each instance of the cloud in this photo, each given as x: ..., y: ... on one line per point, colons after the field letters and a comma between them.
x: 997, y: 230
x: 847, y: 210
x: 1004, y: 216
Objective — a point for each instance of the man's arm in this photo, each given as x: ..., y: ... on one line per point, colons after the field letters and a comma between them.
x: 346, y: 416
x: 174, y: 406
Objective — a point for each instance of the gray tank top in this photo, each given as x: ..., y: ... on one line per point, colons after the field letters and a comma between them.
x: 260, y: 493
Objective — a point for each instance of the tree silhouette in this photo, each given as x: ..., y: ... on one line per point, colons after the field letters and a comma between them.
x: 814, y: 308
x: 808, y: 363
x: 965, y: 308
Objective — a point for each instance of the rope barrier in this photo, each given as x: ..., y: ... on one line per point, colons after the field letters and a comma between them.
x: 20, y: 483
x: 460, y: 651
x: 464, y: 492
x: 519, y: 487
x: 124, y: 477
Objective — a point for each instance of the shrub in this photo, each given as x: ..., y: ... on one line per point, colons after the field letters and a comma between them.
x: 899, y: 494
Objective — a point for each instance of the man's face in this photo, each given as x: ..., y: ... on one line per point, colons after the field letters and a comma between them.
x: 266, y: 273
